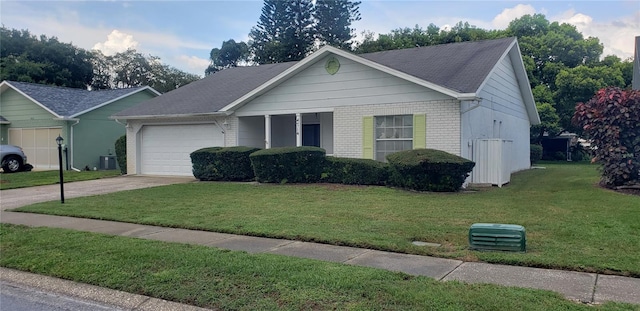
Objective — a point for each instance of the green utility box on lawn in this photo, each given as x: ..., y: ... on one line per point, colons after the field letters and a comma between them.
x: 498, y: 237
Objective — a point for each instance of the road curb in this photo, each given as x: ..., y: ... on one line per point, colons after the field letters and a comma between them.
x: 92, y: 293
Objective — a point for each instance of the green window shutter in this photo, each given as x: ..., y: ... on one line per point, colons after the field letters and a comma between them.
x: 419, y: 131
x: 367, y: 137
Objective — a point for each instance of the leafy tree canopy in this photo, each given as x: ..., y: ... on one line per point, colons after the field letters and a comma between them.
x: 231, y: 54
x: 131, y: 68
x: 27, y: 58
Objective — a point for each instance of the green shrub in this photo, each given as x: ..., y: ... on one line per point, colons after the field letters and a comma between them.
x: 223, y: 163
x: 428, y: 170
x: 350, y: 171
x: 121, y: 153
x: 535, y: 153
x: 288, y: 164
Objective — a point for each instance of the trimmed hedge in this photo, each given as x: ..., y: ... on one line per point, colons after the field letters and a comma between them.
x: 535, y: 153
x: 428, y: 170
x: 121, y: 153
x: 351, y: 171
x: 223, y: 163
x: 288, y: 164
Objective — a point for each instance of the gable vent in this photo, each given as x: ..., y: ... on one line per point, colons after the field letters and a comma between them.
x: 498, y: 237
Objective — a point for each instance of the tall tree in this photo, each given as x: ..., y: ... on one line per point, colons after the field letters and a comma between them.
x: 231, y: 54
x: 547, y: 48
x: 283, y: 32
x: 579, y: 84
x: 403, y: 38
x: 25, y: 57
x: 333, y: 22
x: 131, y: 68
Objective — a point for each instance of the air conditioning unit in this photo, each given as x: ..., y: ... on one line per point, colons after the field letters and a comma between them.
x: 498, y: 237
x: 108, y: 162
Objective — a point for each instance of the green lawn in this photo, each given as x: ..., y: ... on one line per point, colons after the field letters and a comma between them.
x: 40, y: 178
x: 571, y: 223
x: 231, y: 280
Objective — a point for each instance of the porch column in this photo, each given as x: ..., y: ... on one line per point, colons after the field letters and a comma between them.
x: 298, y: 130
x: 267, y: 131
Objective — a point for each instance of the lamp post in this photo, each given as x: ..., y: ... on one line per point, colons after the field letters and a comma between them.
x: 59, y: 141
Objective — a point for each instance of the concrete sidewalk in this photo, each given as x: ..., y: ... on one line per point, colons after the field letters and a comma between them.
x: 578, y: 286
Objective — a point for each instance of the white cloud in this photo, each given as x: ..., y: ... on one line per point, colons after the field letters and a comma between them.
x: 117, y: 42
x: 193, y: 64
x: 617, y: 35
x: 502, y: 20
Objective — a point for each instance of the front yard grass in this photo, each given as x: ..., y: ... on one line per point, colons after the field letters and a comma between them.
x: 571, y: 223
x: 41, y: 178
x: 231, y: 280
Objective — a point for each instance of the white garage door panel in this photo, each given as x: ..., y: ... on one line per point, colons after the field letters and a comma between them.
x: 166, y: 149
x: 39, y: 144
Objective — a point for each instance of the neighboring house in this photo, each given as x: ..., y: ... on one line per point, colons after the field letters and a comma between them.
x: 361, y: 106
x: 635, y: 84
x: 33, y: 115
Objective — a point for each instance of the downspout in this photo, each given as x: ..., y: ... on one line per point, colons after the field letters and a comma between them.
x: 222, y: 129
x: 71, y: 137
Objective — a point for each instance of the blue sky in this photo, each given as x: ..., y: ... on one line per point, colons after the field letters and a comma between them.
x: 183, y: 33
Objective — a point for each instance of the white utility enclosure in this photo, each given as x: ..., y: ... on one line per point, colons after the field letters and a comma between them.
x: 493, y: 161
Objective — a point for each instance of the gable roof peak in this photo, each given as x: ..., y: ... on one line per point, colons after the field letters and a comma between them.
x: 66, y: 102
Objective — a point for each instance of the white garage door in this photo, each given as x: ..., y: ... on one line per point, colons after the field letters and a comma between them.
x: 39, y: 144
x: 166, y: 149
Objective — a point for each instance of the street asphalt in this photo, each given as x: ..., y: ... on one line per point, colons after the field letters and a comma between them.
x: 582, y: 287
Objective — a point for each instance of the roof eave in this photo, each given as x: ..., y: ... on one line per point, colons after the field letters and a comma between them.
x: 170, y: 116
x: 66, y: 119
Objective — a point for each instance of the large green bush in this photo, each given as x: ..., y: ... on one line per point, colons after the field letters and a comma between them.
x: 351, y: 171
x: 428, y: 170
x: 223, y: 163
x: 288, y: 164
x: 535, y: 153
x: 121, y: 153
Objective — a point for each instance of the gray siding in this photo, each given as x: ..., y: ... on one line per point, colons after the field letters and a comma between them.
x: 353, y: 85
x: 501, y: 114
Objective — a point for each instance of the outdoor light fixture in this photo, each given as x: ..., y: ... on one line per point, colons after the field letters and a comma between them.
x: 225, y: 124
x: 59, y: 141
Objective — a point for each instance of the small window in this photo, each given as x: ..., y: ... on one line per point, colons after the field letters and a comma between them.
x: 393, y: 134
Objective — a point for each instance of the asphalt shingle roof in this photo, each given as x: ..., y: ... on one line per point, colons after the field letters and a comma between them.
x: 209, y: 94
x: 461, y: 67
x: 66, y: 101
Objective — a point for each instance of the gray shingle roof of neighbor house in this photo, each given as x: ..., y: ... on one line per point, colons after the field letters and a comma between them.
x: 69, y: 102
x: 459, y: 67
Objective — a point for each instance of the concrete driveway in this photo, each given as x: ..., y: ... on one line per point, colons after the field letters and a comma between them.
x: 14, y: 198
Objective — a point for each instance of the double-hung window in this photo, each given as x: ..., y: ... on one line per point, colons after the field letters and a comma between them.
x: 392, y: 134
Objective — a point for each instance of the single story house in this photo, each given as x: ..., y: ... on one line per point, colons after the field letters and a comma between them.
x: 33, y: 115
x: 444, y: 97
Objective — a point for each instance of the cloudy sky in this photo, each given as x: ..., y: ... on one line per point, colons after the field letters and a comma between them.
x: 182, y: 33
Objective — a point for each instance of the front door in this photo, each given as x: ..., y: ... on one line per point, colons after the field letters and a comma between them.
x: 311, y: 135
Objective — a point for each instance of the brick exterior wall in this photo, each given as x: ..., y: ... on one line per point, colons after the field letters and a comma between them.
x: 443, y: 124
